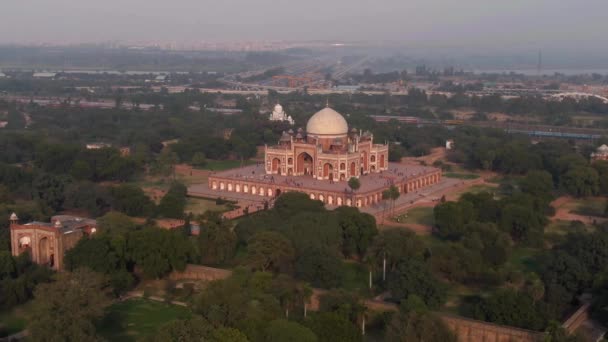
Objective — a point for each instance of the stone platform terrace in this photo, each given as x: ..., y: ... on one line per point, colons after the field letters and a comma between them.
x: 250, y: 182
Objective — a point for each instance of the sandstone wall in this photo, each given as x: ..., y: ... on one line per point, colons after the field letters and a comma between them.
x: 199, y: 272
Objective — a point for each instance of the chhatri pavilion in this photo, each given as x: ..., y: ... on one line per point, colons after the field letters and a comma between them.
x: 319, y: 161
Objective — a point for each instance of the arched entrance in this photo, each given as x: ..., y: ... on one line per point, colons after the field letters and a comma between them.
x: 352, y: 169
x: 44, y: 251
x: 25, y: 243
x: 382, y: 161
x: 328, y: 171
x: 276, y: 165
x: 364, y: 161
x: 304, y: 164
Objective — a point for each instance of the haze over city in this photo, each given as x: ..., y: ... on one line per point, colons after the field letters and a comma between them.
x: 303, y: 171
x: 469, y: 24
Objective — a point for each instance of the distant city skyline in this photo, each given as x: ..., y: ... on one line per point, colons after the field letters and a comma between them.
x: 466, y: 24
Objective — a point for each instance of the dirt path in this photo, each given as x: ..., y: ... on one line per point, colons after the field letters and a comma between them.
x: 563, y: 212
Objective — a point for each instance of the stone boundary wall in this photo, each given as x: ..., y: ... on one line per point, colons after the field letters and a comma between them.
x: 577, y: 318
x: 199, y: 272
x: 469, y: 330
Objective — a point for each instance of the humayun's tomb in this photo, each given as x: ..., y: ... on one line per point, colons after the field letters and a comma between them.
x: 319, y: 162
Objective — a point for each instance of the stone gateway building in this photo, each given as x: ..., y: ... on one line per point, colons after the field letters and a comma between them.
x: 319, y: 161
x: 47, y: 242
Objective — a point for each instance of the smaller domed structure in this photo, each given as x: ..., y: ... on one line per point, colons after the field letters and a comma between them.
x: 278, y: 114
x: 601, y: 153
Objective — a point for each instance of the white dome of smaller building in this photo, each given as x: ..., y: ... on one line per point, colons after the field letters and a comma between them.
x: 327, y: 122
x: 278, y: 108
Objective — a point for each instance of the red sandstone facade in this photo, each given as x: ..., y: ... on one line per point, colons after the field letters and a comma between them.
x: 327, y: 151
x: 47, y: 242
x: 329, y: 197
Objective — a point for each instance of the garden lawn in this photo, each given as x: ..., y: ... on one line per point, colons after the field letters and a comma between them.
x: 221, y: 165
x: 524, y: 259
x: 355, y: 277
x: 134, y: 319
x: 589, y: 207
x: 459, y: 175
x: 199, y: 206
x: 419, y: 215
x: 12, y: 322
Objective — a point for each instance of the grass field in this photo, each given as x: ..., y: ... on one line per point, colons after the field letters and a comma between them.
x: 524, y: 259
x: 220, y: 165
x: 459, y: 175
x: 134, y: 319
x: 200, y: 205
x: 355, y: 277
x: 589, y: 207
x: 420, y: 215
x: 475, y: 189
x: 12, y: 322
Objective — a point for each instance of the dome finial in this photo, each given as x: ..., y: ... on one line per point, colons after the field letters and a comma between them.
x: 327, y: 103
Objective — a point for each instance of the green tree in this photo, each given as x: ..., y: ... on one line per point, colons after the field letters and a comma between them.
x: 244, y: 300
x: 158, y: 251
x: 270, y: 251
x: 451, y: 218
x: 413, y: 277
x: 198, y: 159
x: 537, y: 184
x: 417, y: 326
x: 131, y: 200
x: 354, y: 183
x: 282, y: 330
x: 195, y: 329
x: 7, y: 265
x: 65, y: 310
x: 225, y: 334
x: 173, y: 203
x: 319, y: 266
x: 331, y: 327
x: 510, y: 307
x: 216, y: 241
x: 523, y: 223
x: 115, y: 223
x: 358, y: 230
x: 580, y: 182
x: 165, y: 163
x: 392, y: 246
x: 391, y: 194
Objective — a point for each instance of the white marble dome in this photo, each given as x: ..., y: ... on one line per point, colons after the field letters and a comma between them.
x: 327, y: 122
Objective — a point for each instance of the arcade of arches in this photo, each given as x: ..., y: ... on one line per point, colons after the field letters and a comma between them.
x: 332, y: 194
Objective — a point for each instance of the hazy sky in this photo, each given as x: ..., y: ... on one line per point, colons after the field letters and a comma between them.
x: 437, y: 22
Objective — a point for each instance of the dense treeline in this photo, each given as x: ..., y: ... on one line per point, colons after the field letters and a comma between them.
x: 300, y: 237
